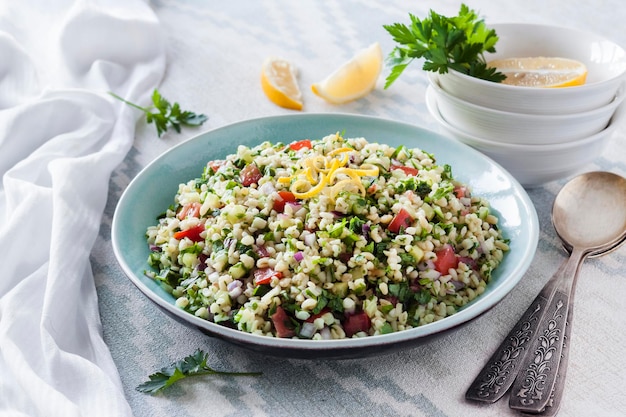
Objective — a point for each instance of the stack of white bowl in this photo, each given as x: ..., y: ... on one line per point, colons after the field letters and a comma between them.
x: 537, y: 134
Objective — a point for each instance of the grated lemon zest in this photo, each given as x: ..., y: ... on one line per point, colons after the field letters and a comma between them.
x: 318, y: 172
x: 309, y: 176
x: 312, y: 192
x: 345, y: 171
x: 345, y: 184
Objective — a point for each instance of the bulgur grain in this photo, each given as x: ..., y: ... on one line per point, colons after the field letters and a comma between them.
x: 363, y: 247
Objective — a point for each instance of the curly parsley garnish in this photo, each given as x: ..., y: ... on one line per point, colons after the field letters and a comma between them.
x: 193, y: 365
x: 166, y: 114
x: 457, y: 43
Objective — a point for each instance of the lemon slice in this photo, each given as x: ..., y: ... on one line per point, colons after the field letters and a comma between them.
x: 541, y: 71
x: 279, y: 79
x: 354, y: 79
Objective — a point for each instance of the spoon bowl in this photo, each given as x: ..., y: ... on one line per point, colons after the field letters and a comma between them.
x: 590, y: 211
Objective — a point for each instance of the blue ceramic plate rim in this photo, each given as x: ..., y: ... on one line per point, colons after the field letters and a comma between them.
x: 153, y: 189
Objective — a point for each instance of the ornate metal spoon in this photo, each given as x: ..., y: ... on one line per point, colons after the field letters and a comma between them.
x: 554, y: 403
x: 588, y: 213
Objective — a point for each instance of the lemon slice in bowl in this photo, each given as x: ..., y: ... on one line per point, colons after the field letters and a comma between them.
x: 541, y: 71
x: 354, y: 79
x: 279, y: 79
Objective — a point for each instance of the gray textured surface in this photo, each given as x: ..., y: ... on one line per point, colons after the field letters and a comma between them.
x: 215, y: 50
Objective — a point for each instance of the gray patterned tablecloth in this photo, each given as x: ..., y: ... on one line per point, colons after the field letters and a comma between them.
x: 214, y: 56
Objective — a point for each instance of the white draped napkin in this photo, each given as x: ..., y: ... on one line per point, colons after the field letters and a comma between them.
x: 61, y: 136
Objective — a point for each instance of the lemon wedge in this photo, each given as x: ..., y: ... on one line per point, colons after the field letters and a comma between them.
x: 279, y: 79
x: 541, y: 71
x: 353, y: 79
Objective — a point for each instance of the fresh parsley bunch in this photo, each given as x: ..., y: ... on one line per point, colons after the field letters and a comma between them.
x: 166, y: 114
x: 192, y: 365
x: 457, y: 43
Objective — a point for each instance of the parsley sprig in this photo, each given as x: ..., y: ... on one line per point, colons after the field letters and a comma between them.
x: 166, y: 114
x: 457, y: 43
x: 192, y: 365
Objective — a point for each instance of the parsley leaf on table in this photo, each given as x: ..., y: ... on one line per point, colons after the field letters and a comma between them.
x: 167, y: 114
x: 192, y: 365
x: 457, y: 43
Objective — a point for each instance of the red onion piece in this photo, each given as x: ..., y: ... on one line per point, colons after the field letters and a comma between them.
x: 232, y: 285
x: 310, y: 239
x: 295, y: 206
x: 262, y: 251
x: 325, y: 333
x: 457, y: 285
x: 307, y: 330
x: 267, y: 188
x: 236, y: 292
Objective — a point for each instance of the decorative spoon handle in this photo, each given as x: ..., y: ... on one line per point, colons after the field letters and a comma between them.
x: 533, y: 387
x: 498, y: 374
x: 554, y: 403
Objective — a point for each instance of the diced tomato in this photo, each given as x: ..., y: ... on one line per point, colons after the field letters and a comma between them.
x: 265, y: 275
x: 282, y: 323
x: 215, y: 165
x: 192, y: 233
x: 284, y: 198
x: 459, y: 191
x: 354, y: 323
x: 446, y: 259
x: 296, y: 146
x: 189, y: 210
x: 249, y: 175
x: 401, y: 220
x: 407, y: 170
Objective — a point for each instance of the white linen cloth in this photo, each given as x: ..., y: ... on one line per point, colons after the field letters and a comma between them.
x: 61, y: 135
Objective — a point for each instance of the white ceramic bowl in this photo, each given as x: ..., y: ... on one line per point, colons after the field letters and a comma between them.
x: 534, y: 165
x: 605, y: 61
x: 521, y: 128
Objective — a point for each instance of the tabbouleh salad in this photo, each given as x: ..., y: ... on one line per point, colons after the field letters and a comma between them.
x: 325, y: 239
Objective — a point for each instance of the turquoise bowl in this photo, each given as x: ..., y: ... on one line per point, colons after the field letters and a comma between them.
x: 153, y: 190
